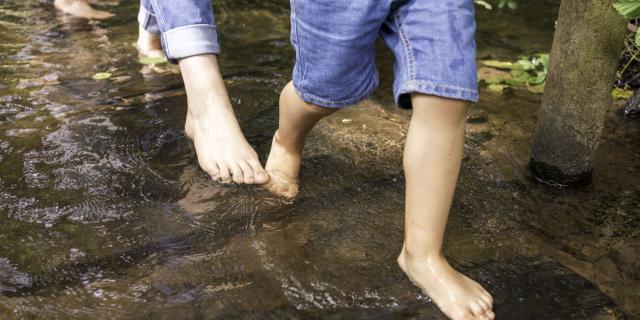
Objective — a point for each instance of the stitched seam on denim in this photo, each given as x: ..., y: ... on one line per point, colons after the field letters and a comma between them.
x: 294, y: 29
x: 408, y: 50
x: 192, y: 25
x: 147, y: 11
x: 163, y: 38
x: 436, y: 85
x: 339, y: 103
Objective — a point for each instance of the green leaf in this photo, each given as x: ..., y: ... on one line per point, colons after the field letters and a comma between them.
x: 101, y: 76
x: 618, y: 93
x: 543, y: 58
x: 521, y: 76
x: 540, y: 77
x: 497, y: 87
x: 630, y: 9
x: 493, y: 80
x: 637, y: 39
x: 526, y: 64
x: 153, y: 60
x: 500, y: 64
x: 536, y: 89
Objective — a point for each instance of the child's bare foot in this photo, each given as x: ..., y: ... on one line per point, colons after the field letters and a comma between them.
x: 455, y: 294
x: 80, y: 8
x: 223, y: 152
x: 283, y: 167
x: 148, y: 44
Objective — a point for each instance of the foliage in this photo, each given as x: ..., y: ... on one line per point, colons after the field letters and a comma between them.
x: 630, y: 9
x: 529, y: 72
x: 618, y: 93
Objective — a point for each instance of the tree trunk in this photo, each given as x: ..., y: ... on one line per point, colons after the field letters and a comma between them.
x: 586, y: 48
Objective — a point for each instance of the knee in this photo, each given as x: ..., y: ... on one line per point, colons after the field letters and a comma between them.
x: 439, y: 109
x: 289, y: 97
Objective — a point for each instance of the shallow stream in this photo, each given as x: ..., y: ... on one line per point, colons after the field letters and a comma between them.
x: 104, y: 213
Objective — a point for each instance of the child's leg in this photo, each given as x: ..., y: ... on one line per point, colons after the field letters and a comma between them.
x: 189, y: 36
x: 297, y: 118
x: 432, y: 158
x: 220, y: 144
x: 148, y: 42
x: 81, y: 9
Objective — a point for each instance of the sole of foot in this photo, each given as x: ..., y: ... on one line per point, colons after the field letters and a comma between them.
x: 223, y: 151
x: 81, y: 9
x: 455, y: 294
x: 283, y: 166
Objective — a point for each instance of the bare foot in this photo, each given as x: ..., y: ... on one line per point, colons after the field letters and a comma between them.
x: 455, y: 294
x: 81, y: 9
x: 283, y: 167
x: 223, y: 152
x: 148, y: 44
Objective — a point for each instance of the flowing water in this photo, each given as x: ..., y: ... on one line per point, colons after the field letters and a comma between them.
x: 104, y: 213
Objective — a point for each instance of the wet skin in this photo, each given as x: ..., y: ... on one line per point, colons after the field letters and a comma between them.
x: 432, y: 158
x: 223, y: 151
x: 80, y: 9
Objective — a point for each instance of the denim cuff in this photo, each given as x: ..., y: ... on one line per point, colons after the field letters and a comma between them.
x: 189, y: 41
x: 435, y: 89
x: 147, y: 21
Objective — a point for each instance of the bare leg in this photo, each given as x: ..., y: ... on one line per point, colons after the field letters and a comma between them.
x: 80, y: 8
x: 296, y: 120
x: 222, y: 149
x: 432, y: 158
x: 148, y: 44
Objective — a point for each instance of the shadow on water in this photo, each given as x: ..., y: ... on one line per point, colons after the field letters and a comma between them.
x: 105, y: 213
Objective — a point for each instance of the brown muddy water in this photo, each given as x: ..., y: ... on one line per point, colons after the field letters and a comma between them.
x: 104, y: 213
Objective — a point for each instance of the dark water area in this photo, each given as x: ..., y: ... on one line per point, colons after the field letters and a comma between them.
x: 104, y: 213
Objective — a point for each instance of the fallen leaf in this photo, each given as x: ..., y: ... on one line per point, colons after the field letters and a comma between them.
x: 618, y: 93
x: 101, y: 75
x: 497, y: 87
x: 153, y: 60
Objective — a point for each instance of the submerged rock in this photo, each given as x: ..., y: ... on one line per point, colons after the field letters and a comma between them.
x: 11, y: 279
x: 632, y: 108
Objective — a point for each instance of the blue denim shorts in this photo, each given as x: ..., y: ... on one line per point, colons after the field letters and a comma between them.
x: 432, y: 42
x: 186, y: 27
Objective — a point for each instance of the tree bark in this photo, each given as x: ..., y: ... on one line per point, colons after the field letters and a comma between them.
x: 586, y: 47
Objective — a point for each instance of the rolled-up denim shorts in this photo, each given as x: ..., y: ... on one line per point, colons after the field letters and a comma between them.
x: 186, y: 27
x: 432, y: 42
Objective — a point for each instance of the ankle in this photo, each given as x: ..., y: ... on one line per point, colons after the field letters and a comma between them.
x: 412, y: 254
x: 290, y: 144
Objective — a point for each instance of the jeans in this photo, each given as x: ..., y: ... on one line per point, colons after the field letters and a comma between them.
x: 432, y: 42
x: 186, y: 27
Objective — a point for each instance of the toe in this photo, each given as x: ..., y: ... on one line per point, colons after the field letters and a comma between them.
x: 236, y: 173
x: 461, y: 315
x: 247, y: 172
x: 214, y: 172
x: 477, y: 310
x: 225, y: 174
x: 490, y: 314
x: 281, y: 185
x: 211, y: 168
x: 484, y: 304
x: 260, y: 176
x: 487, y: 298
